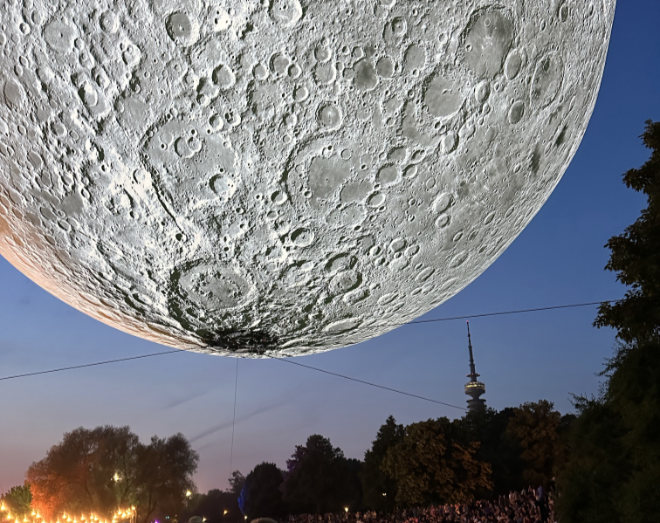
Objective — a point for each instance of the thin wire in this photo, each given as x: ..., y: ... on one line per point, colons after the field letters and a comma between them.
x: 514, y: 311
x: 233, y: 422
x: 85, y: 365
x: 414, y: 322
x: 371, y: 384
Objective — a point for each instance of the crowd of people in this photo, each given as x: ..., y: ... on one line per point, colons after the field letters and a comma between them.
x: 527, y: 506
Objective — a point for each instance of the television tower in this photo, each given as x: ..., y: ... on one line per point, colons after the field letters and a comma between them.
x: 474, y: 388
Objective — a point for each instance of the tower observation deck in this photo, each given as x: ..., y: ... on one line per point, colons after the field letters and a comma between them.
x: 474, y: 388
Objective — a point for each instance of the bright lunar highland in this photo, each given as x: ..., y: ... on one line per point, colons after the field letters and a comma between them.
x: 281, y: 177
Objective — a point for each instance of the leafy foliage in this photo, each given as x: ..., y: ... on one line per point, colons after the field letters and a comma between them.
x: 262, y: 493
x: 79, y: 473
x: 378, y: 488
x: 635, y: 256
x: 318, y: 479
x: 163, y: 476
x: 432, y: 466
x: 596, y: 458
x: 534, y: 427
x: 615, y: 439
x: 107, y: 467
x: 236, y: 482
x: 18, y: 500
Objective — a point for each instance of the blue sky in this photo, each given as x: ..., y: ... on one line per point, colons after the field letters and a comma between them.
x: 558, y: 259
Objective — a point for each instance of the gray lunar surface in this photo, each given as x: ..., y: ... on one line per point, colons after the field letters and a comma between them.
x: 281, y: 177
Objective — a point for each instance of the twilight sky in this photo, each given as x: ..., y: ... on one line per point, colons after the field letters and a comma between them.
x: 558, y: 259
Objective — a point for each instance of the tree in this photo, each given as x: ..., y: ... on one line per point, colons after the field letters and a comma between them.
x: 379, y: 489
x: 106, y: 468
x: 595, y: 461
x: 497, y: 447
x: 18, y: 500
x: 633, y: 389
x: 625, y: 420
x: 635, y: 256
x: 90, y: 470
x: 535, y: 429
x: 315, y: 479
x: 164, y: 475
x: 261, y: 493
x: 236, y: 482
x: 432, y: 466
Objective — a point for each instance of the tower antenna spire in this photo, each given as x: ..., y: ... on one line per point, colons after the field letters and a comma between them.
x: 473, y: 373
x: 474, y: 388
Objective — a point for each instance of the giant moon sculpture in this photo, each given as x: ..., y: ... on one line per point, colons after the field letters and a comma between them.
x: 255, y: 177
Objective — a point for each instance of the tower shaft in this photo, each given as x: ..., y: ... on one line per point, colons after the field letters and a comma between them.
x: 474, y: 388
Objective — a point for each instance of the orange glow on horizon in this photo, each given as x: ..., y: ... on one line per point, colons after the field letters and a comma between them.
x: 35, y: 517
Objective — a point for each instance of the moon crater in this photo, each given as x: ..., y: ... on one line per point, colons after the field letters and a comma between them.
x: 282, y: 177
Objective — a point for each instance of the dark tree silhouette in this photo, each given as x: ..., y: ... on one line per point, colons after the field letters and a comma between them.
x: 635, y: 256
x: 236, y: 482
x: 262, y: 493
x: 315, y: 482
x: 378, y: 488
x: 614, y: 462
x: 164, y: 475
x: 534, y: 426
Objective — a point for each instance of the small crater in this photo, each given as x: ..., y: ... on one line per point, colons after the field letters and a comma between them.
x: 223, y: 77
x: 516, y: 112
x: 329, y: 116
x: 181, y: 28
x: 365, y: 78
x: 286, y: 12
x: 59, y: 36
x: 546, y: 80
x: 109, y: 22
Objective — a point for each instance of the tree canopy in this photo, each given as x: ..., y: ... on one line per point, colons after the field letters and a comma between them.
x: 431, y: 465
x: 106, y: 468
x: 635, y: 255
x: 262, y: 493
x: 535, y: 428
x: 317, y: 478
x: 378, y: 488
x: 614, y: 458
x: 18, y: 500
